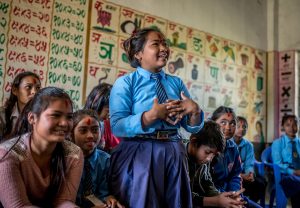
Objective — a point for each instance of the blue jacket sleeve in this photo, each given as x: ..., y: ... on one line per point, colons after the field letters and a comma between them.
x: 234, y: 178
x: 249, y: 161
x: 102, y: 179
x: 277, y: 149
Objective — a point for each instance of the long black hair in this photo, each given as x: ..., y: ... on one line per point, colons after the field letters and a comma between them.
x: 13, y: 99
x: 40, y: 102
x: 98, y: 97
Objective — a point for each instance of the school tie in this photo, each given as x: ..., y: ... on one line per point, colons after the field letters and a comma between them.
x: 160, y: 90
x: 295, y: 156
x: 87, y: 183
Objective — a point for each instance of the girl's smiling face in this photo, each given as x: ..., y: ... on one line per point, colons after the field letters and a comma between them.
x: 86, y: 134
x: 54, y: 124
x: 155, y: 53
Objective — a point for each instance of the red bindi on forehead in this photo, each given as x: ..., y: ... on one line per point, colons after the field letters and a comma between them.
x: 67, y: 104
x: 88, y: 121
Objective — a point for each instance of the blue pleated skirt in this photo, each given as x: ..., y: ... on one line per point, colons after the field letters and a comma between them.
x: 150, y: 173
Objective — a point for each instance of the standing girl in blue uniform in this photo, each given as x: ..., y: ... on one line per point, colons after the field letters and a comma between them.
x: 149, y: 167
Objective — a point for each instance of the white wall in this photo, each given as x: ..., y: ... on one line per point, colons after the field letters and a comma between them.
x: 288, y: 24
x: 243, y: 21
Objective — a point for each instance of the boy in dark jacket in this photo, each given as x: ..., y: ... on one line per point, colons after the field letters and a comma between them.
x: 201, y: 149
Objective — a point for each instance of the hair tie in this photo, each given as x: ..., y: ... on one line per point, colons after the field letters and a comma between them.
x: 134, y: 32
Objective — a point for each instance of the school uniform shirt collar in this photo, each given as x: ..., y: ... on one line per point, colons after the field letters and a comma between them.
x: 93, y: 159
x: 242, y: 143
x: 230, y: 143
x: 146, y: 74
x: 15, y: 112
x: 289, y: 140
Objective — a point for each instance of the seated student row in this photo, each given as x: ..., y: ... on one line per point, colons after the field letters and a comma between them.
x: 85, y: 134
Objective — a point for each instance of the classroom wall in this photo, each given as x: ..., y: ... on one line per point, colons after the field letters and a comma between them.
x: 288, y: 24
x: 75, y: 44
x: 269, y: 25
x: 243, y: 21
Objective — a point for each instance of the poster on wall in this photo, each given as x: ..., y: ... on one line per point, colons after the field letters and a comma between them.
x: 228, y: 52
x: 59, y: 34
x: 196, y: 91
x: 259, y: 61
x: 105, y: 17
x: 213, y: 73
x: 195, y: 42
x: 229, y: 75
x: 257, y: 104
x: 68, y: 48
x: 103, y: 48
x: 243, y: 79
x: 244, y: 55
x: 177, y: 36
x: 227, y: 97
x: 156, y: 22
x: 99, y: 74
x: 213, y: 45
x: 28, y: 38
x: 287, y: 98
x: 5, y: 8
x: 242, y: 101
x: 212, y: 98
x: 195, y: 68
x: 176, y: 64
x: 130, y: 21
x: 123, y: 61
x: 122, y: 72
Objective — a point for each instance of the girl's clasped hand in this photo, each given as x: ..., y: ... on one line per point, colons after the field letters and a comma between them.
x: 174, y: 110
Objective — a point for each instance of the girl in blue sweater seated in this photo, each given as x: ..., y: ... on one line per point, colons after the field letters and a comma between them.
x: 227, y: 167
x: 93, y: 189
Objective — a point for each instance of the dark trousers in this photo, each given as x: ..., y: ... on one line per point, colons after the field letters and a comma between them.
x: 256, y: 189
x: 291, y: 187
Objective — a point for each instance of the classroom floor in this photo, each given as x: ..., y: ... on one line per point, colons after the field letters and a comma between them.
x: 267, y: 199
